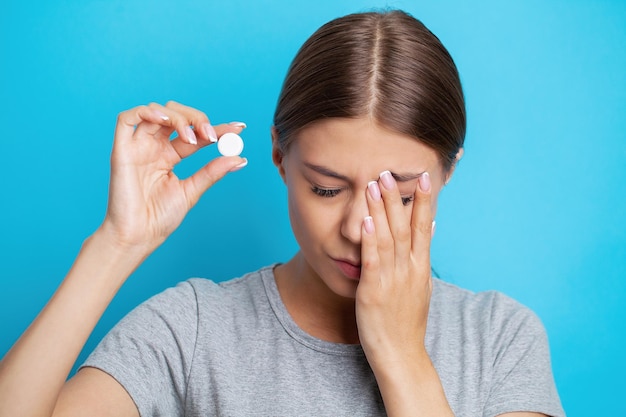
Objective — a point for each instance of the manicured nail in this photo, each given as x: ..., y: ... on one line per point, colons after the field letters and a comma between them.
x: 432, y: 229
x: 241, y: 165
x: 387, y: 180
x: 374, y: 190
x: 368, y: 223
x: 210, y: 132
x: 191, y: 137
x: 238, y: 124
x: 424, y: 181
x: 161, y: 115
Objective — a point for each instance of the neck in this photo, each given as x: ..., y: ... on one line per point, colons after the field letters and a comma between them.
x: 313, y: 306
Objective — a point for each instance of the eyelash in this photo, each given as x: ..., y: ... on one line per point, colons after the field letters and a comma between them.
x: 326, y: 192
x: 332, y: 192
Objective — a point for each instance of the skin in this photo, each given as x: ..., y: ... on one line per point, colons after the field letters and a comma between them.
x: 147, y: 202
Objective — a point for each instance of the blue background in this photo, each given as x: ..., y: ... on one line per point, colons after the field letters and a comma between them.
x: 536, y: 209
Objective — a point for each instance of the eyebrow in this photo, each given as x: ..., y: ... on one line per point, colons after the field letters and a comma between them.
x: 399, y: 177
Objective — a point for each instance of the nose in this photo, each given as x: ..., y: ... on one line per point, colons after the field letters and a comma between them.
x: 355, y: 211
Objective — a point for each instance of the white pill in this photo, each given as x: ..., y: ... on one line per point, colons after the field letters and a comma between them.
x: 230, y: 144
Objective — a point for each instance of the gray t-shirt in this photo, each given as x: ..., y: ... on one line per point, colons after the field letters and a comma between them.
x: 232, y: 349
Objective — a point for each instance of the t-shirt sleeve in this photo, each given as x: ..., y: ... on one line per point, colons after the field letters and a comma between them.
x: 522, y: 372
x: 149, y: 352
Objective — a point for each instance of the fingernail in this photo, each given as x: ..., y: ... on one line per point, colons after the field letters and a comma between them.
x: 238, y: 167
x: 161, y: 115
x: 368, y: 223
x: 374, y: 190
x: 210, y: 132
x: 191, y: 137
x: 387, y: 180
x: 432, y: 229
x: 238, y: 124
x: 424, y: 181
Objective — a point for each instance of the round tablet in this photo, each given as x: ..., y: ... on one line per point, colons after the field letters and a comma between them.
x: 230, y: 144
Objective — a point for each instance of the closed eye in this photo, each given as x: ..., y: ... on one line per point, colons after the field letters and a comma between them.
x: 326, y: 192
x: 332, y: 192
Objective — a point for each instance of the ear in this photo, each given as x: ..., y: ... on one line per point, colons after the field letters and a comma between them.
x: 277, y: 153
x: 459, y: 155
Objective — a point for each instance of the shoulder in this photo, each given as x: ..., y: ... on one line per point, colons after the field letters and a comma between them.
x: 492, y: 343
x: 491, y: 308
x: 188, y: 301
x: 489, y: 319
x: 240, y: 291
x: 154, y: 350
x: 233, y: 307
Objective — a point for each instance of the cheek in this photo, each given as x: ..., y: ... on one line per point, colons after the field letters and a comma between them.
x: 295, y: 213
x: 302, y: 213
x: 310, y: 215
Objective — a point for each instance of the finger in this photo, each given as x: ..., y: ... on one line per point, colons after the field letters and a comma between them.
x: 422, y: 221
x: 384, y: 240
x: 184, y: 149
x: 370, y: 260
x: 202, y: 124
x: 178, y: 122
x: 128, y: 120
x: 233, y: 127
x: 196, y: 118
x: 208, y: 175
x: 397, y: 218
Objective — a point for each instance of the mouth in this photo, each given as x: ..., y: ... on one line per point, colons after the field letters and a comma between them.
x: 349, y: 268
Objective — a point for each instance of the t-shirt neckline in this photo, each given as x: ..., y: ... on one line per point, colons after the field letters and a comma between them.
x: 292, y: 328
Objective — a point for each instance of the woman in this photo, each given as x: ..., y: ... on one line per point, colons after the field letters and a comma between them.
x: 368, y: 129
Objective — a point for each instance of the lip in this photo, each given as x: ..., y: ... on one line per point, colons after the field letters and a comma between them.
x: 349, y: 268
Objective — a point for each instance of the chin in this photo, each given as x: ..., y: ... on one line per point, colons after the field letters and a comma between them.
x: 341, y: 284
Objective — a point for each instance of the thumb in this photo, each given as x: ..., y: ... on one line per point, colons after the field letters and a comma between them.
x: 198, y: 183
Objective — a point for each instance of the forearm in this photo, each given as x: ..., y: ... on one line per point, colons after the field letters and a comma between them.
x: 411, y: 387
x: 33, y: 372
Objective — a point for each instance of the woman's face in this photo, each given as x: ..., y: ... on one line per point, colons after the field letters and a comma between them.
x: 326, y: 170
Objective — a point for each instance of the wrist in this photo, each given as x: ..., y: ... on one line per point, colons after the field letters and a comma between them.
x: 117, y: 244
x: 410, y: 385
x: 107, y: 260
x: 388, y: 355
x: 395, y: 364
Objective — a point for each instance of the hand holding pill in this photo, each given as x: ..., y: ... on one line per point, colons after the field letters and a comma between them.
x: 147, y: 200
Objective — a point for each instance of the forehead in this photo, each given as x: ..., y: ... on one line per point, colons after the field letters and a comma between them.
x: 360, y: 146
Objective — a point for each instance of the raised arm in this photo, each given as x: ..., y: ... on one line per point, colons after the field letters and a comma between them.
x: 147, y: 202
x: 393, y: 299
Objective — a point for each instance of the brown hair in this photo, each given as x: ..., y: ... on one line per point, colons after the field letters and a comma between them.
x: 385, y: 65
